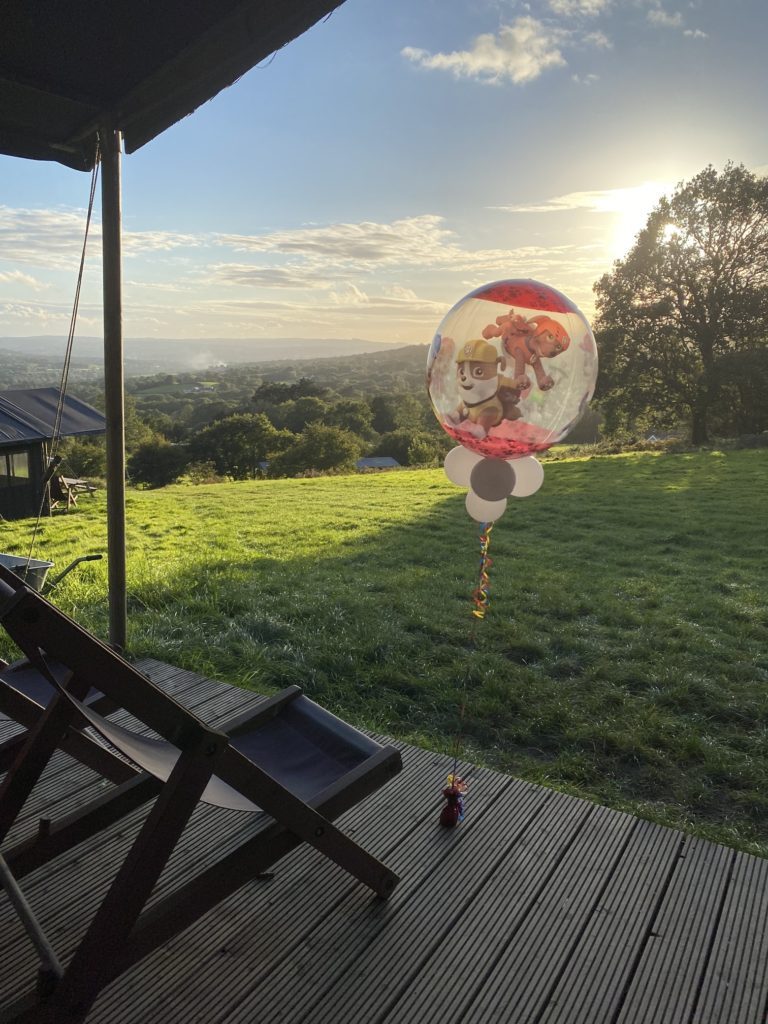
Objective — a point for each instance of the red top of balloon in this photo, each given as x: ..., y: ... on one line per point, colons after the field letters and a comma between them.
x: 530, y: 294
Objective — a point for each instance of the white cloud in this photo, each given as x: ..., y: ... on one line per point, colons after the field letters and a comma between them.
x: 289, y: 276
x: 163, y: 286
x: 48, y: 316
x: 16, y: 277
x: 43, y: 238
x: 53, y: 239
x: 608, y: 200
x: 520, y: 53
x: 661, y: 18
x: 569, y: 8
x: 363, y: 244
x: 397, y: 291
x: 350, y: 296
x: 585, y: 79
x: 599, y: 40
x: 343, y: 258
x: 629, y: 208
x: 351, y: 276
x: 340, y: 315
x: 140, y: 242
x: 658, y: 16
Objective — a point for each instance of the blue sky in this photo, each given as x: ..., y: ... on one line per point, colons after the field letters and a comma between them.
x: 395, y: 157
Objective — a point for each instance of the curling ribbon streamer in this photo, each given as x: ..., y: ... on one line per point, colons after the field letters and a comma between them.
x: 480, y: 594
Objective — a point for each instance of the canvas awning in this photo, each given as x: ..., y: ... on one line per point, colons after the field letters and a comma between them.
x: 68, y: 67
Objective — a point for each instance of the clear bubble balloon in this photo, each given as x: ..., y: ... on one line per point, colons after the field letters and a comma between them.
x: 511, y: 369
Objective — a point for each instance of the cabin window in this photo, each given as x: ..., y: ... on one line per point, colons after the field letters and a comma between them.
x: 14, y: 468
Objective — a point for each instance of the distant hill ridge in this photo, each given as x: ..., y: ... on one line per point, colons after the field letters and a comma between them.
x: 158, y: 355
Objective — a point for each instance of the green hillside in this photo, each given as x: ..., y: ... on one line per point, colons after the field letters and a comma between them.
x: 624, y: 658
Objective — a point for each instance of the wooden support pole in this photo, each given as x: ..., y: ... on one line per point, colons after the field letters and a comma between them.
x: 110, y: 142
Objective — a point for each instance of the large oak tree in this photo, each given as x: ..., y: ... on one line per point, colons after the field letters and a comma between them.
x: 690, y: 295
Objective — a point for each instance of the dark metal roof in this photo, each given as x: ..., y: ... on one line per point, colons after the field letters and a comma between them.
x: 30, y: 415
x: 67, y: 66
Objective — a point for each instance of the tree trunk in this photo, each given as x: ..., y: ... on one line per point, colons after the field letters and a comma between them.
x: 706, y: 393
x: 702, y: 403
x: 699, y: 433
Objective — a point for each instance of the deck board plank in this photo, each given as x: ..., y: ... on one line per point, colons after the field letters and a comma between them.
x: 539, y: 907
x: 669, y: 973
x: 617, y: 930
x: 263, y: 925
x: 736, y: 986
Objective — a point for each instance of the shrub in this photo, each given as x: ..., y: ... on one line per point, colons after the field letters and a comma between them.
x: 157, y: 463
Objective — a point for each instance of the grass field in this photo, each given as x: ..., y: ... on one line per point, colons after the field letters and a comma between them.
x: 624, y: 658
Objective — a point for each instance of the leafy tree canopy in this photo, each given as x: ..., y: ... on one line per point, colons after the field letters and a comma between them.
x: 237, y: 444
x: 413, y: 448
x: 350, y: 414
x: 275, y: 392
x: 319, y: 448
x: 157, y: 463
x: 297, y: 414
x: 692, y: 291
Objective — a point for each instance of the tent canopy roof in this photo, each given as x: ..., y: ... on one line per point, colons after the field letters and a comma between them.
x: 30, y: 415
x: 67, y: 66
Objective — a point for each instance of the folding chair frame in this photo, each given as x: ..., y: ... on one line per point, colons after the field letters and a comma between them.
x: 122, y: 932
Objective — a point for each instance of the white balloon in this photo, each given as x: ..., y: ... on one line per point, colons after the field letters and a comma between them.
x: 483, y: 511
x: 529, y: 476
x: 459, y: 463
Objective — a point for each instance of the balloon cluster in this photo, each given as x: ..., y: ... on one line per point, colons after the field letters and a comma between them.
x: 510, y: 372
x: 492, y: 481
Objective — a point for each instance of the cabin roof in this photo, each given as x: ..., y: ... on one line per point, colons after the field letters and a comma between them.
x: 30, y: 416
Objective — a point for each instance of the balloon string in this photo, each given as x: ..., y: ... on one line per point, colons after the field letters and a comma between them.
x: 480, y: 595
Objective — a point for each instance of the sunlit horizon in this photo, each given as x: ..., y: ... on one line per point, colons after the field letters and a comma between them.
x: 386, y: 163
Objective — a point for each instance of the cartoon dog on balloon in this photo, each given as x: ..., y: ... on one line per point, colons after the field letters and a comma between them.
x: 486, y: 396
x: 527, y: 342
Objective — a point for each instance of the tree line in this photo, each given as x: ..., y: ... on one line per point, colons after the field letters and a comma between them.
x: 286, y: 429
x: 681, y: 326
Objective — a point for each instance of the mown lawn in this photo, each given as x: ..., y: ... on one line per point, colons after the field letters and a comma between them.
x: 625, y: 656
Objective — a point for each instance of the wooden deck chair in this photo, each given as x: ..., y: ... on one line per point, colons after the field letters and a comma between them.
x: 287, y: 760
x: 24, y: 696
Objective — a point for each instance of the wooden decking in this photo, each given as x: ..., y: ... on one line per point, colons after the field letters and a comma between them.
x: 540, y: 907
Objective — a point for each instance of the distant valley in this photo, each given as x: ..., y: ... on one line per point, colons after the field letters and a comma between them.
x: 24, y: 357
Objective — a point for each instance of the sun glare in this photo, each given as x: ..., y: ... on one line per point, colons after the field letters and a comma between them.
x: 631, y: 207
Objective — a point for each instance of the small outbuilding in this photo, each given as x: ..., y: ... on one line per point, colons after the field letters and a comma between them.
x: 28, y: 424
